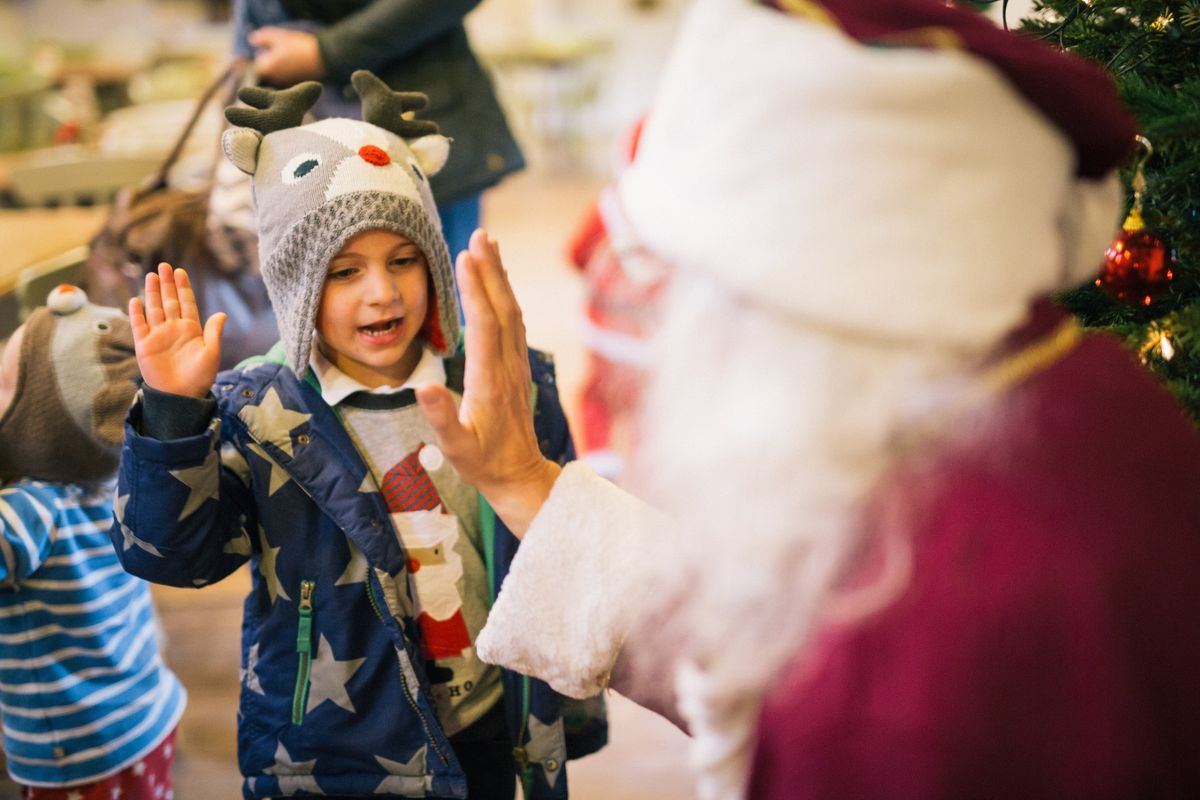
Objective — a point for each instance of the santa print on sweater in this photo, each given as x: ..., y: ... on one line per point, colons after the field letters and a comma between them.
x: 429, y: 534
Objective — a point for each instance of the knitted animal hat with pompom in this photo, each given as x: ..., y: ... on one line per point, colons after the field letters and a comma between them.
x: 76, y: 380
x: 317, y: 185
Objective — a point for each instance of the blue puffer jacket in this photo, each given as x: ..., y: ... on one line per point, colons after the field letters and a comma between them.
x: 276, y: 480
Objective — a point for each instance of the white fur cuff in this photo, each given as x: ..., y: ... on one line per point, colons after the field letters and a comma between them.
x: 573, y: 590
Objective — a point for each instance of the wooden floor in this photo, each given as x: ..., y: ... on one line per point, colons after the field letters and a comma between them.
x: 531, y: 216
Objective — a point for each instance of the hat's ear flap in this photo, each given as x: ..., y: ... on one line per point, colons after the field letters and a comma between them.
x: 241, y: 148
x: 431, y: 152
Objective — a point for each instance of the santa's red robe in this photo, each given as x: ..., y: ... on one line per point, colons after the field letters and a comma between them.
x: 1047, y: 643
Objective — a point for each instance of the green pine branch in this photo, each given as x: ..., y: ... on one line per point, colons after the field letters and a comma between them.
x: 1152, y: 48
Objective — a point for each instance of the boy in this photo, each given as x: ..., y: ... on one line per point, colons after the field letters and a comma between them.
x: 374, y: 564
x: 89, y: 708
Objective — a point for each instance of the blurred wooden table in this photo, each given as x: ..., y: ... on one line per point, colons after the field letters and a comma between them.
x: 28, y: 236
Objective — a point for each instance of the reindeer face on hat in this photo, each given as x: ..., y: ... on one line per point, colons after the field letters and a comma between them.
x: 70, y: 385
x: 317, y: 185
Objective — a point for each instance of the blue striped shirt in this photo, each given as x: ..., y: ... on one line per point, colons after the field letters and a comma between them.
x: 83, y: 689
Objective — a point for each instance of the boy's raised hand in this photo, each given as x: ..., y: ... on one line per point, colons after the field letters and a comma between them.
x: 489, y: 438
x: 174, y: 353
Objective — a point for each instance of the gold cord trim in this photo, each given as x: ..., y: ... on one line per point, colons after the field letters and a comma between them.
x: 809, y: 10
x: 994, y: 381
x: 1033, y: 359
x: 932, y: 38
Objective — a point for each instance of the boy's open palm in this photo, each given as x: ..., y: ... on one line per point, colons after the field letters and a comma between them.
x: 174, y: 353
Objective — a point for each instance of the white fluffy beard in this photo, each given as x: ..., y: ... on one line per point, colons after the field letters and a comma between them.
x: 761, y: 437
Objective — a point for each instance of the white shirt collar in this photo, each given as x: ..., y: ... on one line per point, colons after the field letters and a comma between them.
x: 336, y: 385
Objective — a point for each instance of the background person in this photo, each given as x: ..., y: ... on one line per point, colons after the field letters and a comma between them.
x: 413, y: 45
x: 90, y: 709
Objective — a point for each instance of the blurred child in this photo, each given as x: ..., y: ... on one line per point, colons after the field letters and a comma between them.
x: 89, y: 707
x: 374, y: 563
x: 623, y: 287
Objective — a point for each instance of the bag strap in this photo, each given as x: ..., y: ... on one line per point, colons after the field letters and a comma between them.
x: 232, y: 73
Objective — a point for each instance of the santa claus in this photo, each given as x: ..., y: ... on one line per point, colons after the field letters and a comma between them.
x: 923, y: 537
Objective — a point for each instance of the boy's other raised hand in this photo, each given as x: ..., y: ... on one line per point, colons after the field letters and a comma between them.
x: 174, y: 353
x: 489, y: 438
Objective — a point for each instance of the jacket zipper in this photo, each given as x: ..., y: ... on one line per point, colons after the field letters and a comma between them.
x: 487, y: 524
x: 526, y: 765
x: 404, y: 682
x: 303, y: 651
x: 520, y: 754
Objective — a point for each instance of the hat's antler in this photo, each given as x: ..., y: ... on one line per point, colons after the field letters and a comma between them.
x: 383, y: 107
x: 273, y: 109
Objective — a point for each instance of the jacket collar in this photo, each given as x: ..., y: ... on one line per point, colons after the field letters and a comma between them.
x: 296, y: 429
x: 336, y: 385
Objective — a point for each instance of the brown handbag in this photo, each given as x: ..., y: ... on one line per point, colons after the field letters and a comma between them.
x: 153, y: 222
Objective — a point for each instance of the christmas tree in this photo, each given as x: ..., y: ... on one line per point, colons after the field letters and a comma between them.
x: 1152, y: 49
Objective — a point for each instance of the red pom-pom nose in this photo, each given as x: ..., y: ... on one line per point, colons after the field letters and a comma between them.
x: 374, y: 155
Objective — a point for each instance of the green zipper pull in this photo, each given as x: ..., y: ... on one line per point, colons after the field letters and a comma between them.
x: 525, y: 768
x: 303, y: 650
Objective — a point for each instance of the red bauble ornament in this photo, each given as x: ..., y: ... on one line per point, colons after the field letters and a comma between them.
x: 1138, y: 265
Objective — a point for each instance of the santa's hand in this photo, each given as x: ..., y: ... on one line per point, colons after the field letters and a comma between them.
x: 490, y: 438
x: 174, y: 353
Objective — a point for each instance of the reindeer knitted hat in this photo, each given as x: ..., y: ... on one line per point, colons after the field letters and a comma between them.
x: 318, y: 185
x: 76, y: 379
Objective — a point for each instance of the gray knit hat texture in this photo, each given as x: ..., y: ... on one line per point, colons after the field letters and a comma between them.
x: 77, y: 378
x: 318, y: 185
